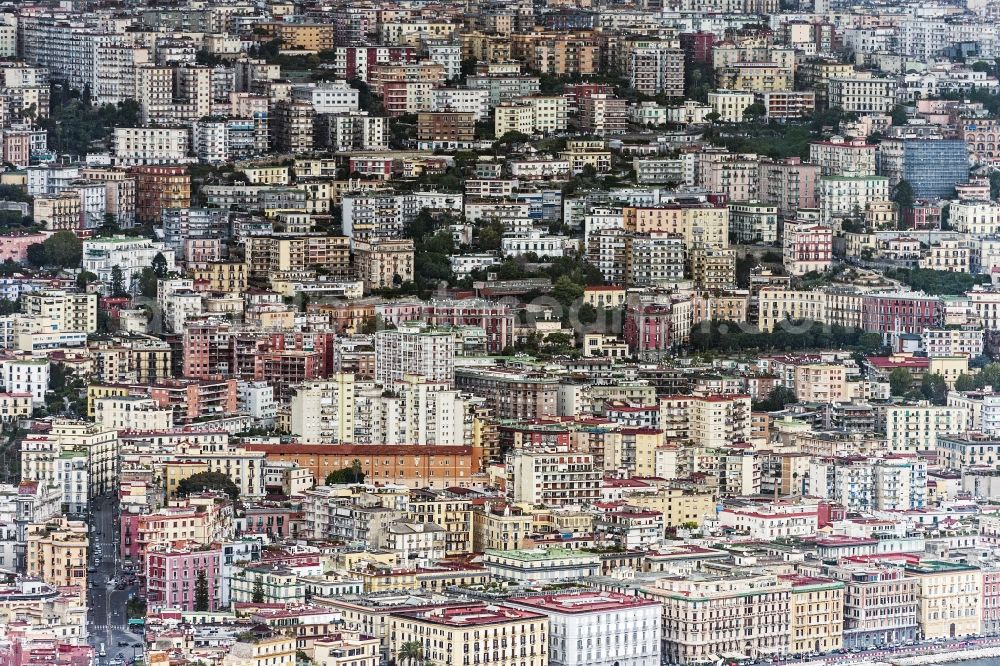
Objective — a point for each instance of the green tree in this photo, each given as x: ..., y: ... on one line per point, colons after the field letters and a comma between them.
x: 109, y: 226
x: 148, y: 282
x: 136, y: 607
x: 159, y: 265
x: 488, y: 237
x: 201, y: 593
x: 352, y: 474
x: 57, y: 376
x: 560, y: 343
x: 965, y: 382
x: 83, y: 278
x: 566, y: 291
x: 411, y: 652
x: 118, y: 282
x: 207, y: 481
x: 903, y: 195
x: 934, y: 388
x: 776, y: 400
x: 36, y: 254
x: 899, y: 382
x: 587, y: 314
x: 754, y: 111
x: 257, y: 596
x: 63, y: 249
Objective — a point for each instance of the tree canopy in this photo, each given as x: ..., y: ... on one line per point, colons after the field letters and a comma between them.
x: 729, y: 336
x: 936, y: 282
x: 63, y: 249
x: 352, y: 474
x: 207, y: 481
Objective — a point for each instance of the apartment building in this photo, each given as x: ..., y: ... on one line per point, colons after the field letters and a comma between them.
x: 789, y: 184
x: 148, y: 146
x: 415, y: 466
x: 498, y: 635
x: 59, y: 212
x: 619, y: 629
x: 710, y: 421
x: 817, y: 618
x: 56, y: 552
x: 354, y: 130
x: 807, y: 248
x: 895, y: 482
x: 69, y: 311
x: 949, y: 598
x: 839, y: 157
x: 732, y: 174
x: 553, y: 478
x: 322, y: 411
x: 173, y: 572
x: 753, y: 222
x: 862, y: 93
x: 653, y: 259
x: 702, y: 224
x: 706, y: 615
x: 656, y: 68
x: 880, y: 603
x: 101, y: 256
x: 914, y: 428
x: 446, y: 129
x: 159, y: 188
x: 730, y: 104
x: 291, y: 124
x: 383, y: 263
x: 414, y: 349
x: 842, y: 197
x: 277, y: 253
x: 604, y: 114
x: 713, y: 269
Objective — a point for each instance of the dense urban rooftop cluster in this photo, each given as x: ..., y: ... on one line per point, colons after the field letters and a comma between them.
x: 499, y: 332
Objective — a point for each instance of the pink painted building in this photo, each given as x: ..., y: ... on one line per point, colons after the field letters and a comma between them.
x: 991, y: 601
x: 24, y: 650
x: 647, y: 328
x: 172, y: 573
x: 15, y: 246
x: 789, y: 184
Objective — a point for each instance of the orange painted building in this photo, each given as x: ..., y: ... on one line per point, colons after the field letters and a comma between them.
x: 413, y: 466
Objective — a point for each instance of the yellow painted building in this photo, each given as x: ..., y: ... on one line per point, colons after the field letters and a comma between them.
x: 57, y: 553
x: 277, y: 650
x: 497, y: 635
x: 175, y: 472
x: 224, y: 276
x: 500, y: 527
x: 267, y: 175
x: 677, y: 505
x: 949, y: 598
x: 821, y: 382
x: 817, y: 618
x: 449, y: 511
x: 301, y: 36
x: 704, y: 223
x: 385, y: 263
x: 949, y: 367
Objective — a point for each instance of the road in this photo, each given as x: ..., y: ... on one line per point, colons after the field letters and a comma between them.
x: 107, y: 615
x: 942, y: 648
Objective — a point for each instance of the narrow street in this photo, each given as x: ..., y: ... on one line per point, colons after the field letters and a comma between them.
x: 108, y: 616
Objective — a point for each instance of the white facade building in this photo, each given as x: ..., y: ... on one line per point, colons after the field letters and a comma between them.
x: 414, y: 350
x: 134, y: 146
x: 599, y: 628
